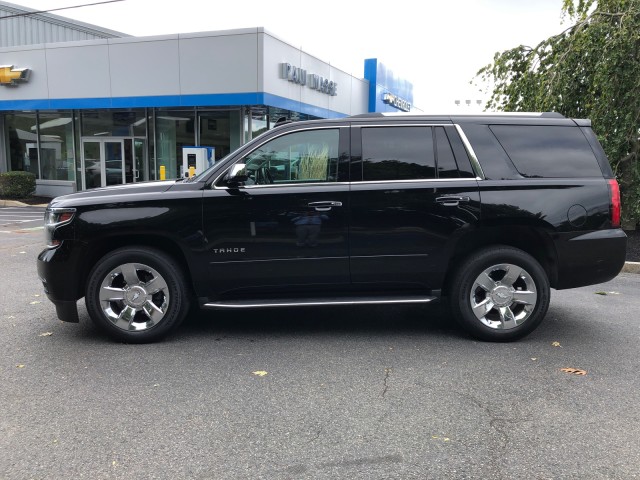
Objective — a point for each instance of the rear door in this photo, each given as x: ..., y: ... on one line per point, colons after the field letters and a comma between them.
x: 413, y: 192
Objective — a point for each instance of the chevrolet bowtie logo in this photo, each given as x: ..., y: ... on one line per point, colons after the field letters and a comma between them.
x: 13, y: 76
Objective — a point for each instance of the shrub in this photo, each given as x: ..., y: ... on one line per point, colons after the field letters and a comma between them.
x: 17, y: 184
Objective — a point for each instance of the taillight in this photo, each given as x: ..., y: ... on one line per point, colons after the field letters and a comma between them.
x: 614, y: 191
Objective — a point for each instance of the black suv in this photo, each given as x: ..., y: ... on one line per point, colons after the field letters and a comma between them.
x: 486, y: 211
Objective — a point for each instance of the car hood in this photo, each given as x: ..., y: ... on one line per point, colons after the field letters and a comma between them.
x: 116, y: 193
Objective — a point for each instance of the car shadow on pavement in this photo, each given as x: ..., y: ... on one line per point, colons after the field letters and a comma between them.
x: 309, y: 321
x: 431, y: 321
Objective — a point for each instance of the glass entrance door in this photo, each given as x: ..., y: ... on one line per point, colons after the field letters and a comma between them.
x: 92, y: 161
x: 113, y: 161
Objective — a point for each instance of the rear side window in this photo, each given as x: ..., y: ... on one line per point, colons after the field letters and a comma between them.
x: 451, y: 156
x: 397, y: 153
x: 447, y: 167
x: 548, y: 151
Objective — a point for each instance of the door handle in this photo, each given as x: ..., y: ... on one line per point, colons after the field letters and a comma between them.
x: 324, y: 206
x: 452, y: 200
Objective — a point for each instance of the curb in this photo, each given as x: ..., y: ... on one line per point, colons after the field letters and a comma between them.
x: 631, y: 267
x: 16, y: 203
x: 12, y: 203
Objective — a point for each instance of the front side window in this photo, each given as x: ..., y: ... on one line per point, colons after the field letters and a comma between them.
x: 397, y: 153
x: 308, y: 156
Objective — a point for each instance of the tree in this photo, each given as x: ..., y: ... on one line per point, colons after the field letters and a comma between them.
x: 590, y: 70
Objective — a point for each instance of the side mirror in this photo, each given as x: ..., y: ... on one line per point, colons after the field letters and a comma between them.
x: 237, y: 174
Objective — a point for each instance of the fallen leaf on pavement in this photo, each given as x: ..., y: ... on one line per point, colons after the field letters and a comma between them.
x: 556, y: 344
x: 46, y: 334
x: 601, y: 293
x: 574, y: 371
x: 20, y: 365
x: 260, y: 373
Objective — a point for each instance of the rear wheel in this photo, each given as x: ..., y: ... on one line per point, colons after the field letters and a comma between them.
x: 137, y: 295
x: 499, y: 294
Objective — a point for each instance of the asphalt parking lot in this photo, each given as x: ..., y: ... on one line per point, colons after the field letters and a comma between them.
x: 322, y: 393
x: 12, y: 218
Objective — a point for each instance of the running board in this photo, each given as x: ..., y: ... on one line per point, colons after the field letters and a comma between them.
x: 318, y: 302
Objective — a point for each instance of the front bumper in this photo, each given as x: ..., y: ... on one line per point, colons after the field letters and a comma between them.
x: 61, y: 276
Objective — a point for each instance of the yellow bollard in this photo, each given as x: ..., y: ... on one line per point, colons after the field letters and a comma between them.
x: 163, y: 173
x: 192, y: 171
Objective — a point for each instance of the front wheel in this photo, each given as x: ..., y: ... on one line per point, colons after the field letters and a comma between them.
x: 136, y: 295
x: 499, y: 294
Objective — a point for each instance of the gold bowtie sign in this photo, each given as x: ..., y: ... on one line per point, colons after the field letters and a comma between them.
x: 13, y: 76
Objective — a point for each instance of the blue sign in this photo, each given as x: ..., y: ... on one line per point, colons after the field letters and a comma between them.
x: 387, y: 93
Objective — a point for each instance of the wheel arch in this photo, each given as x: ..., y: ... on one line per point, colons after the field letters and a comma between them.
x: 99, y: 248
x: 536, y: 240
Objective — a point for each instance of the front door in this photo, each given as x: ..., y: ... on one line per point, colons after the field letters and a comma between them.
x: 286, y: 226
x: 112, y: 161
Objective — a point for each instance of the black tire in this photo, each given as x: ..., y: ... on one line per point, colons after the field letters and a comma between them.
x: 144, y: 294
x: 489, y: 290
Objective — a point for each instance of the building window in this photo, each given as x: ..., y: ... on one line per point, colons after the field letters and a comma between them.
x: 174, y: 129
x: 220, y: 130
x: 22, y: 142
x: 56, y: 146
x: 114, y: 123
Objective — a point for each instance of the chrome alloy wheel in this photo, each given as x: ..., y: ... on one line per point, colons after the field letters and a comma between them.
x: 134, y: 297
x: 503, y: 296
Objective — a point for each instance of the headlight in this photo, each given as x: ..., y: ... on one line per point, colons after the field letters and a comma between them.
x: 54, y: 218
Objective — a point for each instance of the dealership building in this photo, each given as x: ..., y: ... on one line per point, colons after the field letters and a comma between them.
x: 83, y: 107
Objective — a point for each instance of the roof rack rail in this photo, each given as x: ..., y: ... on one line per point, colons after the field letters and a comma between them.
x: 368, y: 115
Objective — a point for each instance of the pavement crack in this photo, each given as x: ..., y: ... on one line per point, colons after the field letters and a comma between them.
x: 316, y: 436
x: 501, y: 427
x: 385, y: 380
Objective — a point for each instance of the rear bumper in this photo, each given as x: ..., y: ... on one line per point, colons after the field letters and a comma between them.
x: 590, y: 258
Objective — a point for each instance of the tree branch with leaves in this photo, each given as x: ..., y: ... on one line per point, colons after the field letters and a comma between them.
x: 590, y: 70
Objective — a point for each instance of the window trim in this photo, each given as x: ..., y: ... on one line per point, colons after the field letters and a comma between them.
x: 475, y: 164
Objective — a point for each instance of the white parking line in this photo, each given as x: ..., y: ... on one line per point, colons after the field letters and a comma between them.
x: 23, y: 230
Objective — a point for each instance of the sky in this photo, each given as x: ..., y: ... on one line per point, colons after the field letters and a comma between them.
x: 438, y: 45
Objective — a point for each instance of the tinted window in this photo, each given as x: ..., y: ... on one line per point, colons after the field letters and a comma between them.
x: 397, y: 153
x: 460, y: 152
x: 447, y: 167
x: 307, y: 156
x: 544, y: 151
